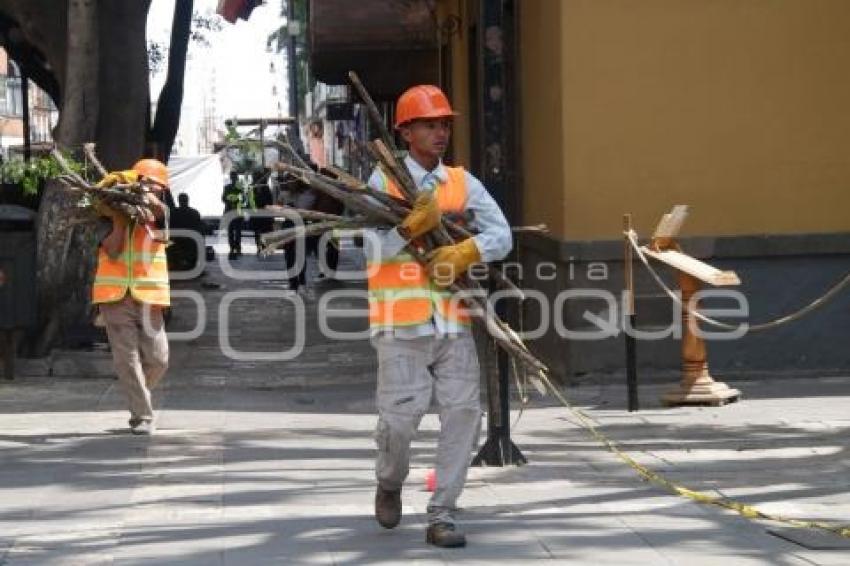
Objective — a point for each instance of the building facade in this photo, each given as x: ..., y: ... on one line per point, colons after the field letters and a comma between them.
x: 574, y: 112
x: 42, y: 111
x: 11, y: 104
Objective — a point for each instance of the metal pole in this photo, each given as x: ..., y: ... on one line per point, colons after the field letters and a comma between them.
x: 505, y: 409
x: 263, y: 144
x: 25, y: 99
x: 292, y: 72
x: 499, y: 449
x: 629, y: 314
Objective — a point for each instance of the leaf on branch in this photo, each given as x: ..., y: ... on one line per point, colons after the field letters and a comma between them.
x: 30, y: 175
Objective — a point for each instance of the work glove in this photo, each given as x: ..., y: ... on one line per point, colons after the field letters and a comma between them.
x: 423, y: 217
x: 118, y: 178
x: 447, y: 263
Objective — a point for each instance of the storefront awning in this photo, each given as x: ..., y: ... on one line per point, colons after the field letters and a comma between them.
x: 390, y: 43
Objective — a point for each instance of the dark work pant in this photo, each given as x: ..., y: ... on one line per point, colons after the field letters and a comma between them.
x: 261, y: 225
x: 297, y: 278
x: 234, y: 235
x: 331, y: 257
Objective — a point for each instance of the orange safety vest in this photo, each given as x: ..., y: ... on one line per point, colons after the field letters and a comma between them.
x: 140, y: 268
x: 400, y: 292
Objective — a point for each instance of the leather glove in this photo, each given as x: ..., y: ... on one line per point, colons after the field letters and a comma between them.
x: 118, y: 178
x: 447, y: 263
x: 424, y: 216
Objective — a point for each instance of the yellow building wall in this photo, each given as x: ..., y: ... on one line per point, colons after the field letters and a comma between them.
x: 542, y: 133
x: 739, y: 108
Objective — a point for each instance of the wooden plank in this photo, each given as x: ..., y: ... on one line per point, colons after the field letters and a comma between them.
x: 692, y: 266
x: 671, y: 223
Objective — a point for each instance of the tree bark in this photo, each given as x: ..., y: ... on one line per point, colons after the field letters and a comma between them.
x: 124, y: 88
x: 66, y: 260
x: 167, y: 118
x: 79, y: 116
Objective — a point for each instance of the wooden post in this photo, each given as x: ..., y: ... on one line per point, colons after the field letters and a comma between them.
x: 697, y: 386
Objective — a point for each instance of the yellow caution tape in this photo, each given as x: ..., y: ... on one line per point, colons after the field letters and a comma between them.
x: 743, y: 509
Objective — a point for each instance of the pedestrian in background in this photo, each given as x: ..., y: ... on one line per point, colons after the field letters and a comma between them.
x: 327, y: 255
x: 262, y: 199
x: 233, y: 200
x: 183, y: 252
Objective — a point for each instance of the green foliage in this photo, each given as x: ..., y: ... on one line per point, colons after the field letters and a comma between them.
x: 248, y: 161
x: 232, y: 134
x: 30, y: 175
x: 245, y: 153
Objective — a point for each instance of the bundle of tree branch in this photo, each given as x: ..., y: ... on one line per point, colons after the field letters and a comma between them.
x: 378, y: 209
x: 128, y: 199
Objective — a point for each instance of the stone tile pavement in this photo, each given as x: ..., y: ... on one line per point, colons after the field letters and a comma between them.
x: 271, y: 463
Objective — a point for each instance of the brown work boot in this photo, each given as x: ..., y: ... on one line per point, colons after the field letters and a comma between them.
x: 388, y: 507
x: 445, y: 535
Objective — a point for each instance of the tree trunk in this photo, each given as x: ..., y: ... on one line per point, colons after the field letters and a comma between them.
x: 104, y: 97
x: 171, y: 97
x: 66, y: 262
x: 79, y: 116
x: 102, y: 94
x: 124, y: 87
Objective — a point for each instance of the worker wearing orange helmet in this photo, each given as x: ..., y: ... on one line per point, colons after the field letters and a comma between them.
x: 422, y: 336
x: 131, y: 290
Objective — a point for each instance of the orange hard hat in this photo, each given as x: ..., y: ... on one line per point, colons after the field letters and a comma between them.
x: 422, y: 101
x: 153, y: 169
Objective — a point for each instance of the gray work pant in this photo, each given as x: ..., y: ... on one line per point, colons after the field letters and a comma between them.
x: 139, y: 354
x: 408, y: 371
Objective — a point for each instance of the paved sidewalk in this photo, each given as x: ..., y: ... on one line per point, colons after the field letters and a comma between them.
x: 271, y: 463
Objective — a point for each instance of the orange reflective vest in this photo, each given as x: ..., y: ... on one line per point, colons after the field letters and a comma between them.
x: 141, y: 269
x: 400, y: 292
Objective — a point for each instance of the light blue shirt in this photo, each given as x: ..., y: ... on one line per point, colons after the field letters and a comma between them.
x: 493, y: 239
